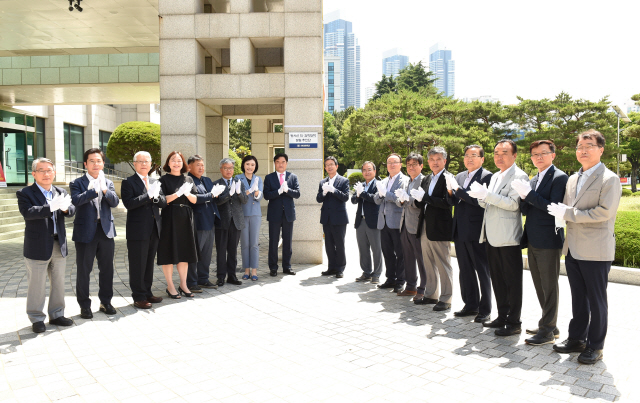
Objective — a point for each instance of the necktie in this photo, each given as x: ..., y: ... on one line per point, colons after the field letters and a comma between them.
x: 146, y: 183
x: 281, y: 179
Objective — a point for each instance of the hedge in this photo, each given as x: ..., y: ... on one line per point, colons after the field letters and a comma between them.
x: 627, y: 230
x: 355, y: 177
x: 626, y: 192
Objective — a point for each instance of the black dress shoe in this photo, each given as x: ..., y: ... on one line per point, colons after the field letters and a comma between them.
x: 329, y: 273
x: 589, y: 356
x: 387, y: 284
x: 570, y: 346
x: 556, y: 332
x: 480, y: 318
x: 289, y: 272
x: 38, y: 327
x: 85, y: 313
x: 234, y: 281
x: 339, y: 275
x: 208, y: 284
x: 425, y: 301
x: 273, y: 273
x: 465, y: 312
x: 220, y: 282
x: 442, y: 306
x: 496, y: 323
x: 108, y: 309
x: 61, y: 321
x: 541, y: 338
x: 195, y: 288
x: 508, y: 330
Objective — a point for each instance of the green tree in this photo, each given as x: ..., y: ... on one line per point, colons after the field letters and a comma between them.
x: 130, y: 137
x: 630, y: 145
x: 415, y: 77
x: 239, y: 134
x: 237, y: 170
x: 385, y: 86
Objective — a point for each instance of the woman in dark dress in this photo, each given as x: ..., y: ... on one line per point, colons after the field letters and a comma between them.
x: 178, y: 243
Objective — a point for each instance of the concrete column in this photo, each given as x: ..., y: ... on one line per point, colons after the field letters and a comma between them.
x: 260, y: 143
x: 143, y: 112
x: 217, y: 144
x: 92, y: 130
x: 54, y: 141
x: 242, y: 56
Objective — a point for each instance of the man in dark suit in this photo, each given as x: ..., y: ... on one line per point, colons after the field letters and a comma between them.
x: 229, y: 224
x: 333, y: 193
x: 367, y: 232
x: 143, y: 199
x: 93, y: 232
x: 204, y: 214
x: 435, y: 239
x: 44, y: 208
x: 281, y: 188
x: 467, y: 223
x: 543, y: 240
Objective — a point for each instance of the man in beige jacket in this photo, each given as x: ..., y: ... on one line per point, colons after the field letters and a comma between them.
x: 589, y: 208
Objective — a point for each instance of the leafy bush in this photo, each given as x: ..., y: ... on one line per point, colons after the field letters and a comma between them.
x: 636, y: 194
x: 237, y: 169
x: 626, y: 192
x: 355, y: 177
x: 627, y: 232
x: 131, y: 137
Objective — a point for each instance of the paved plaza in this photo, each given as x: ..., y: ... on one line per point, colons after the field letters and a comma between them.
x: 300, y: 338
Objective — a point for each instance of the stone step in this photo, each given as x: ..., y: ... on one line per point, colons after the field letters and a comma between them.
x: 9, y: 207
x: 10, y: 213
x: 4, y: 196
x: 4, y: 202
x: 11, y: 227
x: 11, y: 220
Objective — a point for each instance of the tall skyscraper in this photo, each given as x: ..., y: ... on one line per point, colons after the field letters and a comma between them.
x: 332, y: 84
x: 340, y: 41
x: 369, y: 92
x: 444, y: 68
x: 393, y: 62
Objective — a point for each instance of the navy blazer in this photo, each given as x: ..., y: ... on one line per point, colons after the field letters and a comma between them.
x: 435, y: 210
x: 334, y: 207
x: 205, y: 210
x: 281, y: 202
x: 38, y: 231
x: 86, y: 222
x: 141, y: 210
x: 540, y: 226
x: 367, y: 207
x: 467, y: 213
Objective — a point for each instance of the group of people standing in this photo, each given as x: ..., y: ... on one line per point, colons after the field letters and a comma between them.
x: 408, y: 221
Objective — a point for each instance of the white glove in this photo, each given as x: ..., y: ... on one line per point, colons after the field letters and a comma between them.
x: 65, y: 203
x: 55, y: 203
x: 185, y: 189
x: 557, y: 209
x: 452, y: 184
x: 156, y: 190
x: 327, y: 188
x: 417, y: 194
x: 217, y: 189
x: 103, y: 183
x: 284, y: 188
x: 477, y: 191
x: 401, y: 195
x: 239, y: 187
x: 522, y: 187
x: 359, y: 187
x: 152, y: 189
x: 93, y: 184
x: 253, y: 187
x: 382, y: 188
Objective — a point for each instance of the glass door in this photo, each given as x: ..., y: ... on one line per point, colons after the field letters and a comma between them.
x: 14, y: 156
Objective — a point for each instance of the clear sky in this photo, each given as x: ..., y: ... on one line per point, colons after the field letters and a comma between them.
x: 533, y: 49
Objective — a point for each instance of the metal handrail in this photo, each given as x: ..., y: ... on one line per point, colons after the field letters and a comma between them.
x: 72, y: 171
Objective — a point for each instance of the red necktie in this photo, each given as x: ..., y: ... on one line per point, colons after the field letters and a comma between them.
x: 281, y: 179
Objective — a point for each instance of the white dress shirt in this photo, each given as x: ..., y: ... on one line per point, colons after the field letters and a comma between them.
x: 97, y: 200
x: 434, y: 179
x: 470, y: 176
x: 541, y: 175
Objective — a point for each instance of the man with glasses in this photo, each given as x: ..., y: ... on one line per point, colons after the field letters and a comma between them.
x: 142, y: 197
x: 541, y: 238
x: 389, y: 223
x: 467, y: 225
x: 44, y: 208
x: 93, y: 231
x: 589, y: 208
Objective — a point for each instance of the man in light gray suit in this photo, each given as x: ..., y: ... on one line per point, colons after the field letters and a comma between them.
x: 389, y: 223
x: 502, y: 231
x: 589, y: 208
x: 411, y: 250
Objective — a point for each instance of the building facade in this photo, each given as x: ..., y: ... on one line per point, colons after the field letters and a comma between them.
x: 332, y: 88
x: 393, y: 62
x: 340, y: 41
x: 444, y: 69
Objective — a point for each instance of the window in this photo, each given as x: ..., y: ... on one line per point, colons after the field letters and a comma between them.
x: 331, y: 95
x: 103, y: 141
x: 330, y: 66
x: 73, y: 142
x: 331, y: 81
x: 39, y: 149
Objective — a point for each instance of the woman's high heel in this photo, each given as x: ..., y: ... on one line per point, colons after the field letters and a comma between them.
x: 186, y: 294
x: 174, y: 296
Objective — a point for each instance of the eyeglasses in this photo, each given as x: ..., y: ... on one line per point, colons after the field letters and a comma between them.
x: 471, y: 156
x: 227, y: 168
x: 538, y: 155
x: 412, y: 165
x: 587, y: 147
x: 143, y: 162
x: 45, y: 171
x: 94, y: 162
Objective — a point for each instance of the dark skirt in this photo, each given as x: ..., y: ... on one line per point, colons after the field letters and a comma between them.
x: 178, y: 242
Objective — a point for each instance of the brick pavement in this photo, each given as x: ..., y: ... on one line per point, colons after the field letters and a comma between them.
x: 300, y: 338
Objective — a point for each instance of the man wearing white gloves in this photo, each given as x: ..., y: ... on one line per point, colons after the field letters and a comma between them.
x: 333, y: 193
x: 143, y: 199
x: 229, y: 224
x: 93, y: 231
x: 44, y: 208
x: 408, y: 196
x: 389, y: 223
x: 541, y: 237
x: 502, y: 232
x: 590, y: 203
x: 367, y: 232
x: 435, y: 238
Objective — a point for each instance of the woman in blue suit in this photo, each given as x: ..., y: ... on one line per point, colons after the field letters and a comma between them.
x: 252, y: 217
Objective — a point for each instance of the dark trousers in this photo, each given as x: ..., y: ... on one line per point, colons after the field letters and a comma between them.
x: 544, y: 265
x: 393, y: 256
x: 334, y: 245
x: 505, y: 266
x: 227, y: 250
x: 198, y: 273
x: 287, y: 243
x: 588, y: 281
x: 474, y: 269
x: 101, y: 248
x: 142, y: 259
